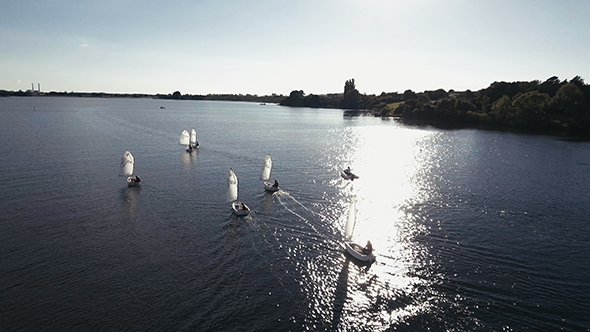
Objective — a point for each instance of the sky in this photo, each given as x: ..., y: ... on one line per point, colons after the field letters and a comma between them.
x: 265, y: 47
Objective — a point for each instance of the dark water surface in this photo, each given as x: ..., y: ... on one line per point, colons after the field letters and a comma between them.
x: 473, y: 230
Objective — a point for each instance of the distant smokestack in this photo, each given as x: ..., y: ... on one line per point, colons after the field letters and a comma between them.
x: 32, y: 86
x: 39, y: 87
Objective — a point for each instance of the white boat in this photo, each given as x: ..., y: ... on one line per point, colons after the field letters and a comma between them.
x: 185, y: 140
x: 265, y: 176
x: 348, y: 175
x: 363, y: 254
x: 239, y: 208
x: 193, y: 143
x: 127, y: 168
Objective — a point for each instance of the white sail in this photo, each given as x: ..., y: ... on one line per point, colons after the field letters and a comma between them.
x: 127, y: 164
x: 193, y: 139
x: 267, y: 168
x: 184, y: 138
x: 351, y: 221
x: 232, y: 192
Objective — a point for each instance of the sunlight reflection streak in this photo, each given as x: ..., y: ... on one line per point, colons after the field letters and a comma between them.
x: 389, y: 162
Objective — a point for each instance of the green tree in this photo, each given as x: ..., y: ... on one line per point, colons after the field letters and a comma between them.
x: 502, y: 109
x: 423, y: 99
x: 585, y: 88
x: 351, y: 95
x: 409, y: 94
x: 569, y: 100
x: 550, y: 86
x: 295, y: 99
x: 314, y: 101
x: 437, y: 94
x: 498, y: 89
x: 530, y: 107
x: 447, y: 108
x: 464, y: 105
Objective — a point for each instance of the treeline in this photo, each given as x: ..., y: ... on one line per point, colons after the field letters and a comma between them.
x: 552, y: 106
x: 350, y: 99
x: 28, y: 93
x: 274, y: 98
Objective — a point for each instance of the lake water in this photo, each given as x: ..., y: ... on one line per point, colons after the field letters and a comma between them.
x: 473, y: 230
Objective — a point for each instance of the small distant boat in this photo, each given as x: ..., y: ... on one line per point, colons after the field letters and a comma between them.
x: 127, y: 169
x: 193, y: 143
x: 266, y: 170
x: 363, y: 254
x: 185, y: 140
x: 162, y: 107
x: 239, y: 208
x: 348, y: 175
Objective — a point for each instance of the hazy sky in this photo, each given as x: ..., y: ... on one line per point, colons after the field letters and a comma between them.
x: 265, y: 47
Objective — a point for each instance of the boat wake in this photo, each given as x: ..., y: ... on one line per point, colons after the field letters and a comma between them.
x: 290, y: 203
x: 313, y: 255
x: 282, y: 196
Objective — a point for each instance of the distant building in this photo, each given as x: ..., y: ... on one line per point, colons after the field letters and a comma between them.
x: 34, y: 92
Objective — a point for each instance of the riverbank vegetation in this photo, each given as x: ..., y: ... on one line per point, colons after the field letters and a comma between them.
x: 274, y: 98
x: 553, y: 106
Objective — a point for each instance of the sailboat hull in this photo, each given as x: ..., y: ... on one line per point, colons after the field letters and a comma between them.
x: 240, y: 209
x: 132, y: 181
x: 270, y: 187
x: 356, y: 251
x: 348, y: 176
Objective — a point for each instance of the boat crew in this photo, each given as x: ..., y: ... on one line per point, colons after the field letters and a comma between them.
x: 347, y: 170
x: 368, y: 249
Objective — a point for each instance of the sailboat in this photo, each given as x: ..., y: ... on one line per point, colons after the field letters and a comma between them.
x: 185, y: 140
x: 265, y: 176
x: 193, y: 140
x: 239, y: 208
x: 364, y: 254
x: 127, y: 167
x: 348, y: 175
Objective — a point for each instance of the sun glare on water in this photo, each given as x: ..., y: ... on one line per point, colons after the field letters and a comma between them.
x: 388, y: 160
